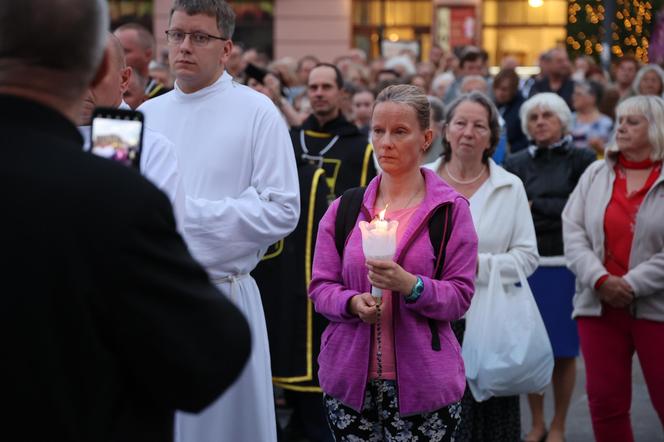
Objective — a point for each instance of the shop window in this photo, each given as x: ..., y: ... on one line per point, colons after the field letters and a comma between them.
x: 513, y: 27
x: 383, y: 27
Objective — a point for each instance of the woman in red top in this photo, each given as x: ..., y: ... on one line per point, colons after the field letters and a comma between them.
x: 614, y: 242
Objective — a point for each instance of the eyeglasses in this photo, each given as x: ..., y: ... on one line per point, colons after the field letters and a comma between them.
x: 176, y: 37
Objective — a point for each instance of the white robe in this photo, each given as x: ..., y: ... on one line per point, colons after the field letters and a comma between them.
x: 241, y: 186
x: 158, y: 163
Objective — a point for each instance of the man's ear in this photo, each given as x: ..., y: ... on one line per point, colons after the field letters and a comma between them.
x: 148, y: 55
x: 103, y: 68
x: 226, y: 54
x: 125, y: 76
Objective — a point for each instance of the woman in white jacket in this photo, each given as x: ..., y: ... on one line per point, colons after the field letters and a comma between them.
x: 502, y: 219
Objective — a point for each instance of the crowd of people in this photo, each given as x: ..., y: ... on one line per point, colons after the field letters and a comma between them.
x: 170, y: 300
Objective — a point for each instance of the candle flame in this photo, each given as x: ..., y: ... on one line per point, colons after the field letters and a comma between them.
x: 381, y: 214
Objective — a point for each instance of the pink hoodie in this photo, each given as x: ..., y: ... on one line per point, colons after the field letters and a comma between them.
x: 427, y: 380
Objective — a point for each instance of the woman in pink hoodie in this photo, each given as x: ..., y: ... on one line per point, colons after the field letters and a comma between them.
x: 397, y: 374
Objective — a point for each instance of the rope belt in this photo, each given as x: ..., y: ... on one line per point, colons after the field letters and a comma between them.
x: 233, y: 280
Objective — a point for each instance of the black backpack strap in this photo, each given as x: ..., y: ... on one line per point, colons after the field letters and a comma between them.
x: 347, y: 212
x: 440, y: 230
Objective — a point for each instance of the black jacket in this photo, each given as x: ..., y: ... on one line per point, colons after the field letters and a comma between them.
x: 565, y: 92
x: 348, y: 163
x: 108, y: 325
x: 549, y: 176
x: 294, y: 328
x: 510, y: 113
x: 283, y: 276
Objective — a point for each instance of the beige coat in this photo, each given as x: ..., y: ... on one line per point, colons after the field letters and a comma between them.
x: 583, y: 233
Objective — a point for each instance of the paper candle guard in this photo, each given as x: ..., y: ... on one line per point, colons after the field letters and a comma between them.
x: 379, y: 241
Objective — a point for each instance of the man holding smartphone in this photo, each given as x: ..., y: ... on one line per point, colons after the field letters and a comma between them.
x: 158, y: 161
x: 107, y: 324
x: 242, y: 194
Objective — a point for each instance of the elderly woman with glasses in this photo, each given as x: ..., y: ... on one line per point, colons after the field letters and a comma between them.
x: 550, y: 168
x: 471, y: 133
x: 614, y: 243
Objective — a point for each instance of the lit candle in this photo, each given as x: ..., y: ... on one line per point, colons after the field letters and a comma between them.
x: 379, y: 241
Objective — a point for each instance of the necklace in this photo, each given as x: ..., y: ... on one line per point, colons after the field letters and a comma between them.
x: 458, y: 181
x: 407, y: 203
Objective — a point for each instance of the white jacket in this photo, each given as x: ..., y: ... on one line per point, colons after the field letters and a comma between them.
x: 583, y: 232
x: 505, y: 227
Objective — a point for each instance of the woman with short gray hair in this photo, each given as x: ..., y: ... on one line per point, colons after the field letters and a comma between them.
x: 471, y: 133
x: 550, y: 168
x: 613, y: 242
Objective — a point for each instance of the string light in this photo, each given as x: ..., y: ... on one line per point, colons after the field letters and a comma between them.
x: 630, y: 27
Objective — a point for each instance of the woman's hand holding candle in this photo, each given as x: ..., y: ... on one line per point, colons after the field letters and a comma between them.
x: 388, y: 275
x: 364, y: 306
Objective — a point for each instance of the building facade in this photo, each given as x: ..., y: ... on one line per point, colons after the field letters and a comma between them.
x: 328, y: 28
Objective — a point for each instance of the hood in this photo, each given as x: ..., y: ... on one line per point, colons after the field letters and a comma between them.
x: 339, y: 126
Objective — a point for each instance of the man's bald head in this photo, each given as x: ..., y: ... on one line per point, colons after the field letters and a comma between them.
x: 138, y: 44
x: 116, y: 52
x: 111, y: 87
x: 51, y: 47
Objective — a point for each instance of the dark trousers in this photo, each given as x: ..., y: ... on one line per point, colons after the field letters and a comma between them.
x: 308, y: 418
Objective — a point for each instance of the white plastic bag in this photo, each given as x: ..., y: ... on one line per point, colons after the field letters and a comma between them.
x: 506, y: 349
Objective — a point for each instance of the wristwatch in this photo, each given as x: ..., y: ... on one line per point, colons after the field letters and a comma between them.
x: 416, y: 292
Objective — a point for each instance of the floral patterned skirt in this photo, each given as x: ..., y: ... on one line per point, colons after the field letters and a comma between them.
x: 380, y: 419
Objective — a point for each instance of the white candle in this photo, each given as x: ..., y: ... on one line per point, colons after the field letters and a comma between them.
x: 379, y: 240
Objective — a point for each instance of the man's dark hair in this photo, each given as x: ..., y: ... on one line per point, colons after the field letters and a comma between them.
x: 629, y: 58
x: 470, y: 55
x: 338, y: 78
x: 362, y: 89
x: 219, y: 9
x: 510, y: 77
x: 69, y: 39
x: 349, y: 88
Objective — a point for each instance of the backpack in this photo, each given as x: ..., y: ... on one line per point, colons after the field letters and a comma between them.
x: 440, y: 230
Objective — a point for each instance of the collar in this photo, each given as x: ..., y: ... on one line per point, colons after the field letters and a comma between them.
x: 224, y: 81
x: 627, y: 164
x: 561, y: 145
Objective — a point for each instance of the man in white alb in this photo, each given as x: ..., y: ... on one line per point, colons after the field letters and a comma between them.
x: 240, y: 180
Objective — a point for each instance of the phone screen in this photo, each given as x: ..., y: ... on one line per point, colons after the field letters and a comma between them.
x: 117, y: 137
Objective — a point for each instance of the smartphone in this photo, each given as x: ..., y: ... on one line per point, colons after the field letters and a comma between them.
x: 117, y: 134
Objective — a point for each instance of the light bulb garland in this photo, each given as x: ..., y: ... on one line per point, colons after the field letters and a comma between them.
x: 630, y: 27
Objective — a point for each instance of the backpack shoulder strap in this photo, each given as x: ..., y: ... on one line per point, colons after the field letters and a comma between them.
x: 347, y: 212
x: 440, y: 230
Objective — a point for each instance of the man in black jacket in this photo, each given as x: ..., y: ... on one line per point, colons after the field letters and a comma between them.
x: 558, y: 79
x: 332, y: 157
x: 107, y: 323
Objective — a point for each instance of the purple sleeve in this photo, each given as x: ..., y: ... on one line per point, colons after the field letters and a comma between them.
x: 449, y: 298
x: 327, y: 290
